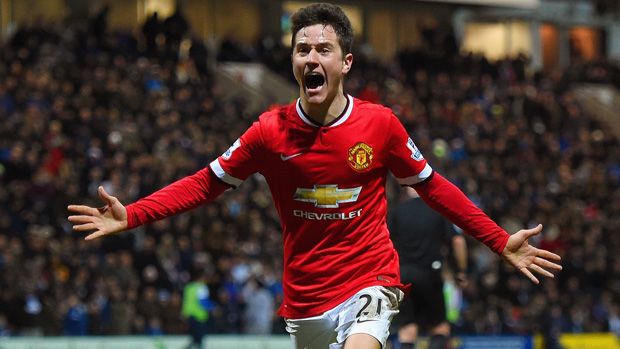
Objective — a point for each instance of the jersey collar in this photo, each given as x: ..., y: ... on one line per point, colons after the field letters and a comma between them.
x: 337, y: 121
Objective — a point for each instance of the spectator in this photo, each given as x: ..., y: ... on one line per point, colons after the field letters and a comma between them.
x: 259, y: 307
x: 228, y: 313
x: 150, y: 29
x: 76, y: 318
x: 196, y: 307
x: 175, y: 27
x: 154, y: 327
x: 4, y: 329
x: 122, y: 308
x: 148, y: 305
x: 173, y: 321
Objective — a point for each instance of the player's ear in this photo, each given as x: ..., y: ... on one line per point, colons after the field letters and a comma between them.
x: 347, y: 62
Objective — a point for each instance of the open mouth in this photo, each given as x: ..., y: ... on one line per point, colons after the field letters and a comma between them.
x: 314, y: 81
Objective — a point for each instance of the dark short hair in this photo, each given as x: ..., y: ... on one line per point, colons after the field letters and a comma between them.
x: 327, y: 14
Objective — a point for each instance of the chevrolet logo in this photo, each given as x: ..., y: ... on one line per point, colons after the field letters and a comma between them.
x: 327, y: 196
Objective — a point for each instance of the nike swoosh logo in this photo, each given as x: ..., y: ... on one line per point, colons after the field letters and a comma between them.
x: 286, y: 158
x: 359, y: 321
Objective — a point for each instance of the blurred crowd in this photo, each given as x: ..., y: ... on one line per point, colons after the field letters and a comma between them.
x: 81, y: 107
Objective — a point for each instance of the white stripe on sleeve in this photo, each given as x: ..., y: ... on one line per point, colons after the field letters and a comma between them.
x: 221, y: 174
x: 424, y: 174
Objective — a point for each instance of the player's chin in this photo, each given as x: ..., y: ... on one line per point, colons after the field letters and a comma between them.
x: 316, y: 96
x: 315, y: 99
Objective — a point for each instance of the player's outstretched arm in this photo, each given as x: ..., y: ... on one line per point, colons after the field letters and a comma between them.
x: 527, y: 258
x: 183, y: 195
x: 106, y: 220
x: 447, y: 199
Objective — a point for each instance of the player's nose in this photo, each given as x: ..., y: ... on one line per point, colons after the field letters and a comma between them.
x: 313, y: 57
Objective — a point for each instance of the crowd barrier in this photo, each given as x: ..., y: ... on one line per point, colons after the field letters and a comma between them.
x: 569, y: 341
x: 590, y: 341
x: 144, y: 342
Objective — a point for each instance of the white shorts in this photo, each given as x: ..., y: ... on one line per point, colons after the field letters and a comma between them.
x: 369, y: 311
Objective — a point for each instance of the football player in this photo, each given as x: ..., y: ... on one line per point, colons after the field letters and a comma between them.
x: 326, y: 158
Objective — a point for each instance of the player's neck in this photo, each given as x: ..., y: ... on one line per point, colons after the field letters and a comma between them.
x: 327, y: 111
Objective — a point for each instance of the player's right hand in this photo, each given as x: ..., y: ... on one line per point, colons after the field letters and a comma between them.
x: 106, y: 220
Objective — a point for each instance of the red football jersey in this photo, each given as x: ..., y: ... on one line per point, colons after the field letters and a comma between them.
x: 328, y: 185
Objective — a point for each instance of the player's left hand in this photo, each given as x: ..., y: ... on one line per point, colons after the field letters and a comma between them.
x: 527, y: 258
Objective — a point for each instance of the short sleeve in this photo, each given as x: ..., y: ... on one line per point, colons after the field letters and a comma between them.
x: 241, y: 159
x: 405, y: 160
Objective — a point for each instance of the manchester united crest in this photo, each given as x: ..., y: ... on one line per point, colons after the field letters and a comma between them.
x: 360, y: 156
